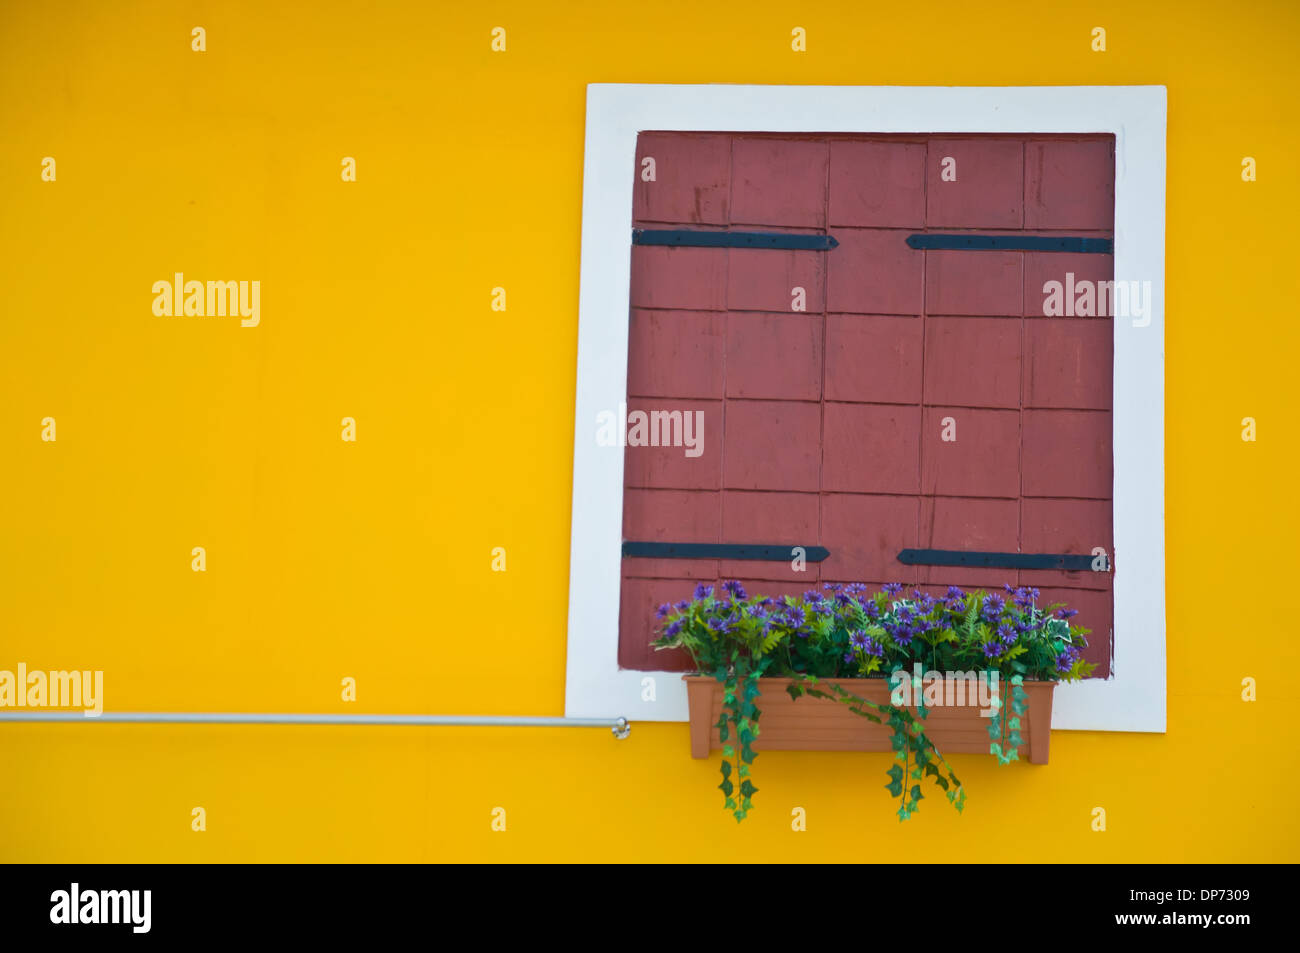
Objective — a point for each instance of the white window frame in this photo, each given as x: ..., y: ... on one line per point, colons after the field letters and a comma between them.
x: 1133, y: 698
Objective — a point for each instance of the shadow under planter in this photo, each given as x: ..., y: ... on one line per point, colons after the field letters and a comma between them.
x: 818, y: 724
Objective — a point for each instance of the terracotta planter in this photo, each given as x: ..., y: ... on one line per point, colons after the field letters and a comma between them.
x: 816, y: 724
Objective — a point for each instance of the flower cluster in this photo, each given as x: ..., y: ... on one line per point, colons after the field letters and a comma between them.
x: 850, y: 631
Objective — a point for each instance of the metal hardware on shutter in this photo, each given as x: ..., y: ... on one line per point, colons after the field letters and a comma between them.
x: 813, y: 554
x: 1069, y: 243
x: 681, y: 237
x: 619, y: 726
x: 957, y: 557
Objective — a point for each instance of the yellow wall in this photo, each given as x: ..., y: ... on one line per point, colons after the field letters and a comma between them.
x: 328, y: 559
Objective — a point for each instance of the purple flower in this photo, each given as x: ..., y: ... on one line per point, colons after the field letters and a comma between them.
x: 812, y: 595
x: 848, y: 656
x: 993, y: 649
x: 721, y: 626
x: 892, y: 588
x: 673, y: 628
x: 993, y: 606
x: 955, y: 593
x: 703, y: 592
x: 1007, y: 634
x: 682, y: 606
x: 663, y: 610
x: 735, y: 588
x: 795, y: 617
x: 1065, y: 661
x: 1066, y: 613
x: 854, y: 588
x: 832, y: 586
x: 871, y: 609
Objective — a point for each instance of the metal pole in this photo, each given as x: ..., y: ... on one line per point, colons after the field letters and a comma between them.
x: 619, y: 726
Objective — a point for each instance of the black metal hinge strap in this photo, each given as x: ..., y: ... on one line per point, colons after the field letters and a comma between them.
x: 682, y: 237
x: 770, y: 553
x: 958, y: 557
x: 1067, y: 243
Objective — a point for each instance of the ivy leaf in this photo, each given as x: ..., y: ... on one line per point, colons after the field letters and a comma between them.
x: 996, y: 749
x: 915, y: 794
x: 747, y: 788
x: 728, y: 751
x: 726, y: 787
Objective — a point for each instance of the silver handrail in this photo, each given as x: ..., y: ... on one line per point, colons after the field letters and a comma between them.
x: 619, y: 726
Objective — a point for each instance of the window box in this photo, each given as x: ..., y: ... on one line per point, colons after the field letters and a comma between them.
x: 816, y: 724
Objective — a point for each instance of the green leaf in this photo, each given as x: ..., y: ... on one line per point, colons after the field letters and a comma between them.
x: 996, y: 749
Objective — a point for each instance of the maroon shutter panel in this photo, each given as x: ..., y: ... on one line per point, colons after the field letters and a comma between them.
x: 823, y: 426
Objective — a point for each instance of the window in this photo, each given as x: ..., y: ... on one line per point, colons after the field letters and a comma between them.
x: 883, y: 395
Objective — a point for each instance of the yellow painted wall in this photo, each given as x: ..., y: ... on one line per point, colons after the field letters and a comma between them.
x: 328, y: 559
